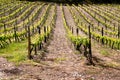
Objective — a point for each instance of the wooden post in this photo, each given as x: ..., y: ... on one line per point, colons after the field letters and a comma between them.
x: 44, y: 29
x: 15, y: 34
x: 29, y: 44
x: 35, y: 50
x: 26, y: 31
x: 45, y: 33
x: 4, y: 28
x: 33, y: 29
x: 77, y: 31
x: 90, y: 49
x: 102, y: 35
x: 38, y: 29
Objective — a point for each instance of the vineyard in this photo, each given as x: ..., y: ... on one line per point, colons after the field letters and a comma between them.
x: 55, y: 41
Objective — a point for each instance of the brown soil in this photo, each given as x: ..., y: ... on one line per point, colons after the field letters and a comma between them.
x: 61, y: 62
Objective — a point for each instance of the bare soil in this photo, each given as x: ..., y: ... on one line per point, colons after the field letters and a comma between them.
x: 61, y: 62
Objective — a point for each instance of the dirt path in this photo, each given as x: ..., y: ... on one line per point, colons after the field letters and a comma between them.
x: 59, y: 46
x: 59, y: 52
x: 60, y: 63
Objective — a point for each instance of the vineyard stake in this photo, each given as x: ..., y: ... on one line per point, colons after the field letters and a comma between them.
x: 15, y: 35
x: 35, y: 50
x: 102, y: 35
x: 77, y: 31
x: 29, y: 44
x: 45, y: 33
x: 39, y: 31
x: 25, y: 29
x: 33, y: 29
x: 90, y: 49
x: 4, y: 28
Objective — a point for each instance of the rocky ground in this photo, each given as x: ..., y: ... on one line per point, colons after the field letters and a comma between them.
x: 61, y: 62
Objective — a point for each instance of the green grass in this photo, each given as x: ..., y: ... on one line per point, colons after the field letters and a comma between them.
x: 60, y: 59
x: 15, y: 52
x: 104, y: 52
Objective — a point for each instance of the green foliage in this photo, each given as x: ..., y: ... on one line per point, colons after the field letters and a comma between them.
x: 104, y: 52
x: 39, y: 38
x: 15, y: 52
x: 112, y: 42
x: 77, y: 40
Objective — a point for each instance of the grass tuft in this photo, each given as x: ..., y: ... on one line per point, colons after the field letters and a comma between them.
x: 104, y: 52
x: 15, y: 52
x: 60, y: 59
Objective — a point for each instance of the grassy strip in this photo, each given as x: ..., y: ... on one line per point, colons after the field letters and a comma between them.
x: 15, y: 52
